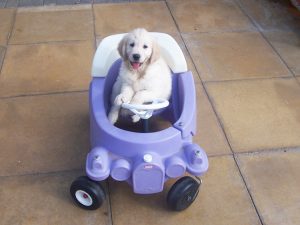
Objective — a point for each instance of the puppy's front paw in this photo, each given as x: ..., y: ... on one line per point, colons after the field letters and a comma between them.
x: 120, y: 99
x: 136, y: 101
x: 113, y: 117
x: 135, y: 118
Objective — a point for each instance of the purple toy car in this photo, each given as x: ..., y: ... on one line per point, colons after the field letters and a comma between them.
x: 144, y: 160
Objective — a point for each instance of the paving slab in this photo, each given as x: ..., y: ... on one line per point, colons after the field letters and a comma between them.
x: 86, y: 1
x: 287, y: 45
x: 208, y: 16
x: 49, y: 2
x: 6, y: 18
x: 209, y: 134
x: 24, y: 3
x: 272, y: 15
x: 2, y: 54
x: 40, y: 134
x: 273, y: 180
x: 45, y: 68
x: 45, y: 199
x: 111, y: 1
x: 122, y: 18
x: 190, y: 64
x: 234, y: 55
x: 11, y: 3
x: 2, y: 3
x: 67, y: 2
x: 53, y: 23
x: 258, y: 114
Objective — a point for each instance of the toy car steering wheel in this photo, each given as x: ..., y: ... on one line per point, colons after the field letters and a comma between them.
x: 145, y: 111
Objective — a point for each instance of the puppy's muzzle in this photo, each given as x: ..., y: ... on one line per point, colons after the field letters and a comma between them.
x: 136, y: 64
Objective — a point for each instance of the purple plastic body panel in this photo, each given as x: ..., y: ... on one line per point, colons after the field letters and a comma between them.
x: 145, y: 160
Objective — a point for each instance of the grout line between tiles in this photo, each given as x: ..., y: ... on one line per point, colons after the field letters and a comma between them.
x: 210, y: 156
x: 249, y: 79
x: 109, y: 203
x: 297, y: 80
x: 219, y: 155
x: 180, y: 34
x: 198, y: 73
x: 248, y: 190
x: 49, y: 42
x: 94, y: 27
x: 208, y: 66
x: 261, y: 31
x: 5, y: 6
x: 188, y: 51
x: 219, y: 121
x: 52, y: 7
x: 234, y: 157
x: 43, y: 173
x: 271, y: 150
x: 2, y: 63
x: 235, y: 154
x: 8, y: 37
x: 252, y: 20
x: 236, y: 163
x: 43, y: 94
x: 109, y: 208
x: 277, y: 53
x: 223, y: 31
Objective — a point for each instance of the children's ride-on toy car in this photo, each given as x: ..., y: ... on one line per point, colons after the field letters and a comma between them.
x: 144, y: 159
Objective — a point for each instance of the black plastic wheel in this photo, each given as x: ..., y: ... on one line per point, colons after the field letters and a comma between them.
x: 183, y: 193
x: 87, y: 193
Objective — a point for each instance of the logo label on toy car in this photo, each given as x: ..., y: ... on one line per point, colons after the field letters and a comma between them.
x: 148, y: 167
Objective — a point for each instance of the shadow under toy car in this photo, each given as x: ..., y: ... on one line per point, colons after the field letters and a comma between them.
x: 144, y: 160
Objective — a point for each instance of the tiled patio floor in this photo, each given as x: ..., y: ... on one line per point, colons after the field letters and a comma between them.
x: 245, y: 57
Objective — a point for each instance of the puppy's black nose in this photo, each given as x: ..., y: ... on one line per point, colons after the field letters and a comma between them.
x: 136, y: 57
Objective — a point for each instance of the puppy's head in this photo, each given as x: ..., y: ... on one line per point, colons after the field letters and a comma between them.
x: 138, y: 49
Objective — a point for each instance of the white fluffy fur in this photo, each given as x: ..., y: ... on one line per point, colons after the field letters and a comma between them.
x: 150, y: 81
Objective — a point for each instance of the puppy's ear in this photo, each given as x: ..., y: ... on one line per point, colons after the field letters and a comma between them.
x: 155, y: 52
x: 122, y: 47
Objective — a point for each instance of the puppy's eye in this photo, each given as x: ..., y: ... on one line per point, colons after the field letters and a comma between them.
x: 145, y: 46
x: 131, y: 45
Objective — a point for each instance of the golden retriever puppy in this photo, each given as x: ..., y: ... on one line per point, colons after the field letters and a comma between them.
x: 143, y: 76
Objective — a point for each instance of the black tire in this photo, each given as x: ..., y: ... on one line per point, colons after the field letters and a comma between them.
x: 87, y: 193
x: 183, y: 193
